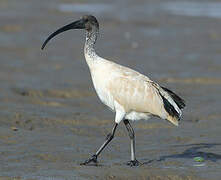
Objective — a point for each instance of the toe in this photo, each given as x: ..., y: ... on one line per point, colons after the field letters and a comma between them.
x: 133, y: 163
x: 92, y: 159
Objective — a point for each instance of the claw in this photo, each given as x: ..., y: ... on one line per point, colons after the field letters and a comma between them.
x: 133, y: 163
x: 92, y: 159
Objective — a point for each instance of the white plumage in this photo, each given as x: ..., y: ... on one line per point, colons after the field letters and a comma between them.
x: 131, y: 95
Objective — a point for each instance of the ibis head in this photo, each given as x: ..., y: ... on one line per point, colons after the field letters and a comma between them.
x: 87, y: 22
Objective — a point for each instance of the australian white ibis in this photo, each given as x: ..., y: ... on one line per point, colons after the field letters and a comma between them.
x: 131, y: 95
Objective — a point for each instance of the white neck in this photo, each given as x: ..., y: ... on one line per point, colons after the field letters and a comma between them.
x: 89, y: 50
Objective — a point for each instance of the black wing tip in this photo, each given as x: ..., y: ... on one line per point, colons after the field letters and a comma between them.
x: 169, y: 108
x: 178, y: 100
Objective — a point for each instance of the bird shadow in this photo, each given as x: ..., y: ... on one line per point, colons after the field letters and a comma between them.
x: 193, y: 150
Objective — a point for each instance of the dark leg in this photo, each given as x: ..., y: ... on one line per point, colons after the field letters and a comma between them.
x: 130, y: 130
x: 109, y: 137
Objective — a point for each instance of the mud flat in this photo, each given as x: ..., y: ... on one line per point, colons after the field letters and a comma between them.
x: 51, y: 119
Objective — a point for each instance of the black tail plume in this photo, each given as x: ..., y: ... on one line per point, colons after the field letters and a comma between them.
x: 178, y: 100
x: 169, y: 108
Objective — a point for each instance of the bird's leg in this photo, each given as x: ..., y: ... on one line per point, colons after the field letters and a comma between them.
x: 109, y: 137
x: 133, y: 161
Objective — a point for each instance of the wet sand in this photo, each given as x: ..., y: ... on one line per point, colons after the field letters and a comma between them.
x: 51, y: 119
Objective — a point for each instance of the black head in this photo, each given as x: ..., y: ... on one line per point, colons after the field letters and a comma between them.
x: 90, y: 22
x: 87, y: 22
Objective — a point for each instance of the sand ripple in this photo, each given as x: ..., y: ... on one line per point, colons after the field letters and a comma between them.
x: 66, y: 93
x: 198, y: 80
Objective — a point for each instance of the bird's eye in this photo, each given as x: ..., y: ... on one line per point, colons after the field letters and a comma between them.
x: 86, y: 20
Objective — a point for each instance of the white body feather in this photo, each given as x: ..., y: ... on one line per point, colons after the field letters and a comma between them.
x: 128, y: 93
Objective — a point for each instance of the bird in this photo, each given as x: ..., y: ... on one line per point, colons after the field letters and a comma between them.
x: 130, y: 94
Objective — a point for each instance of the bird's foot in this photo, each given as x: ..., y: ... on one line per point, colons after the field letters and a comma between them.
x: 133, y: 163
x: 92, y: 159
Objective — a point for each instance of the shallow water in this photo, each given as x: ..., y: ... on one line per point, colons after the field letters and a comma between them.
x: 84, y: 8
x: 51, y: 119
x: 198, y: 9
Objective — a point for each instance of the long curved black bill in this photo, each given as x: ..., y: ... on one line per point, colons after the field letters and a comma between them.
x: 75, y: 25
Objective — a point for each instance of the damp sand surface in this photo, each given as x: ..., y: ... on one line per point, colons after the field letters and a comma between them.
x: 51, y: 119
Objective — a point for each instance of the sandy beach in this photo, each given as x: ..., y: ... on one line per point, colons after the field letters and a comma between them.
x: 51, y: 119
